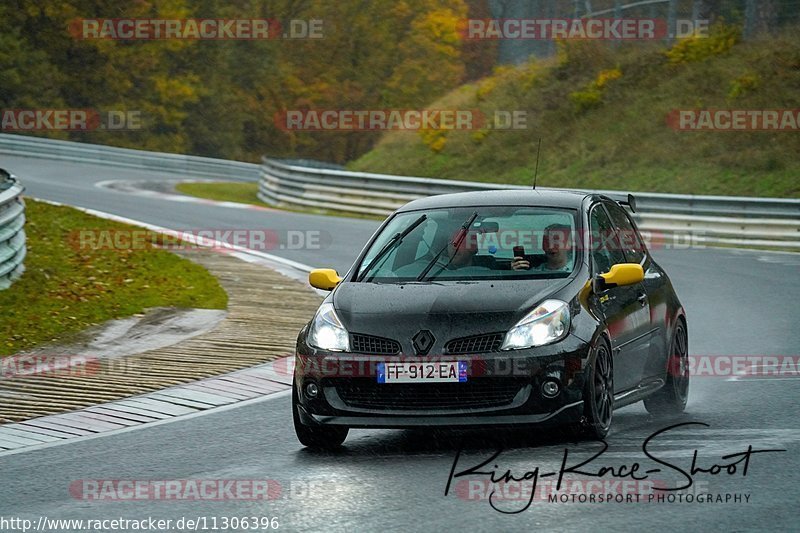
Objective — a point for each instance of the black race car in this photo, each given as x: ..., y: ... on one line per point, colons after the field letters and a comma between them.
x: 488, y: 309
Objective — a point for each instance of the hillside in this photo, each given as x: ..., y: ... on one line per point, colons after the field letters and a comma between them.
x: 602, y: 111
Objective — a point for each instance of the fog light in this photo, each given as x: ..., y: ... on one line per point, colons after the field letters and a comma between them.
x: 312, y: 390
x: 550, y: 388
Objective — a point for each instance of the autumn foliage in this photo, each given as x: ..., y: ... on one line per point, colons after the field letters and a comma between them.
x: 218, y: 98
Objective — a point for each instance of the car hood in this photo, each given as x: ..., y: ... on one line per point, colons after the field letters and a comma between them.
x: 448, y: 309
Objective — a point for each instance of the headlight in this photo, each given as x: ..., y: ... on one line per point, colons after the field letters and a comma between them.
x: 546, y: 324
x: 327, y: 332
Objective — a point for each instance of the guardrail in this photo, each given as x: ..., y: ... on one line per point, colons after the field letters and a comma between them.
x: 185, y: 165
x: 725, y: 220
x: 12, y: 232
x: 721, y: 220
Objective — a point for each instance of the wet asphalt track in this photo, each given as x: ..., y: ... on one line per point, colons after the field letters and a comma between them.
x: 738, y: 302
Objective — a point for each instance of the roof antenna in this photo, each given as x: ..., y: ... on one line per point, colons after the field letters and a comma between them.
x: 536, y: 172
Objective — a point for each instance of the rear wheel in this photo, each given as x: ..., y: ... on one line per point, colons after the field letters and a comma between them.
x: 322, y: 437
x: 671, y: 398
x: 598, y: 395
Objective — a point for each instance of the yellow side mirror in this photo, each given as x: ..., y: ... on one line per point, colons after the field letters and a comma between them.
x: 325, y: 279
x: 623, y: 274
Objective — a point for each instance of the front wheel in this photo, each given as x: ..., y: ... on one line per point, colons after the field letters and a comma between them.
x: 598, y: 395
x: 323, y: 437
x: 671, y: 398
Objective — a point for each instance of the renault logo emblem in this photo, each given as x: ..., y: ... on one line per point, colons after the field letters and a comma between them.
x: 423, y: 342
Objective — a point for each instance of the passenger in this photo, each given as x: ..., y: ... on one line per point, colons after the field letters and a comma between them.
x: 556, y: 247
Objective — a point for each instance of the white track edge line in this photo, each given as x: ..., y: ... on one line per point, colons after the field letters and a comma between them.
x: 200, y: 241
x: 179, y: 418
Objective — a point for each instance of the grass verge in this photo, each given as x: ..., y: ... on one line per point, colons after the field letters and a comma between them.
x: 68, y: 287
x: 246, y: 193
x: 601, y: 111
x: 228, y: 191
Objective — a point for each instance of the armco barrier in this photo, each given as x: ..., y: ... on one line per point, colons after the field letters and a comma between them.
x: 726, y: 220
x: 12, y: 231
x: 184, y: 165
x: 722, y: 220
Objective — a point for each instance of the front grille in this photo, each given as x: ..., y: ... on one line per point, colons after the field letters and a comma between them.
x: 478, y: 393
x: 371, y: 345
x: 476, y: 344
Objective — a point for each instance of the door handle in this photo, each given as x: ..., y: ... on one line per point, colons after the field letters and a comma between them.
x: 642, y: 298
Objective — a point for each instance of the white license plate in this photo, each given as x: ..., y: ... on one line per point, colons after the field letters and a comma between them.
x: 423, y: 372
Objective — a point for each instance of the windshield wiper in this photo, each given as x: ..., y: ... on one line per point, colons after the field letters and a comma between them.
x: 456, y: 243
x: 390, y: 245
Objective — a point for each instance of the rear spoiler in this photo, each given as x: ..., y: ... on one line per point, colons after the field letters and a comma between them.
x: 623, y: 199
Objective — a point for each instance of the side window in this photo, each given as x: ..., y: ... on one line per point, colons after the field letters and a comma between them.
x: 606, y: 251
x: 631, y: 244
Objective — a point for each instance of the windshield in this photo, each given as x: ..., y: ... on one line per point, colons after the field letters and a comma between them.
x: 503, y: 242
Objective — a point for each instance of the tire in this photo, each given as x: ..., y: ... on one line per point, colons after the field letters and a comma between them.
x: 671, y: 398
x: 322, y: 437
x: 598, y: 394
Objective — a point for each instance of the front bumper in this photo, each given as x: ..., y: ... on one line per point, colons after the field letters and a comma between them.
x: 502, y: 389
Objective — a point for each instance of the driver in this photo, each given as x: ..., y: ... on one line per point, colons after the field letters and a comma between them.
x: 464, y: 256
x: 556, y: 247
